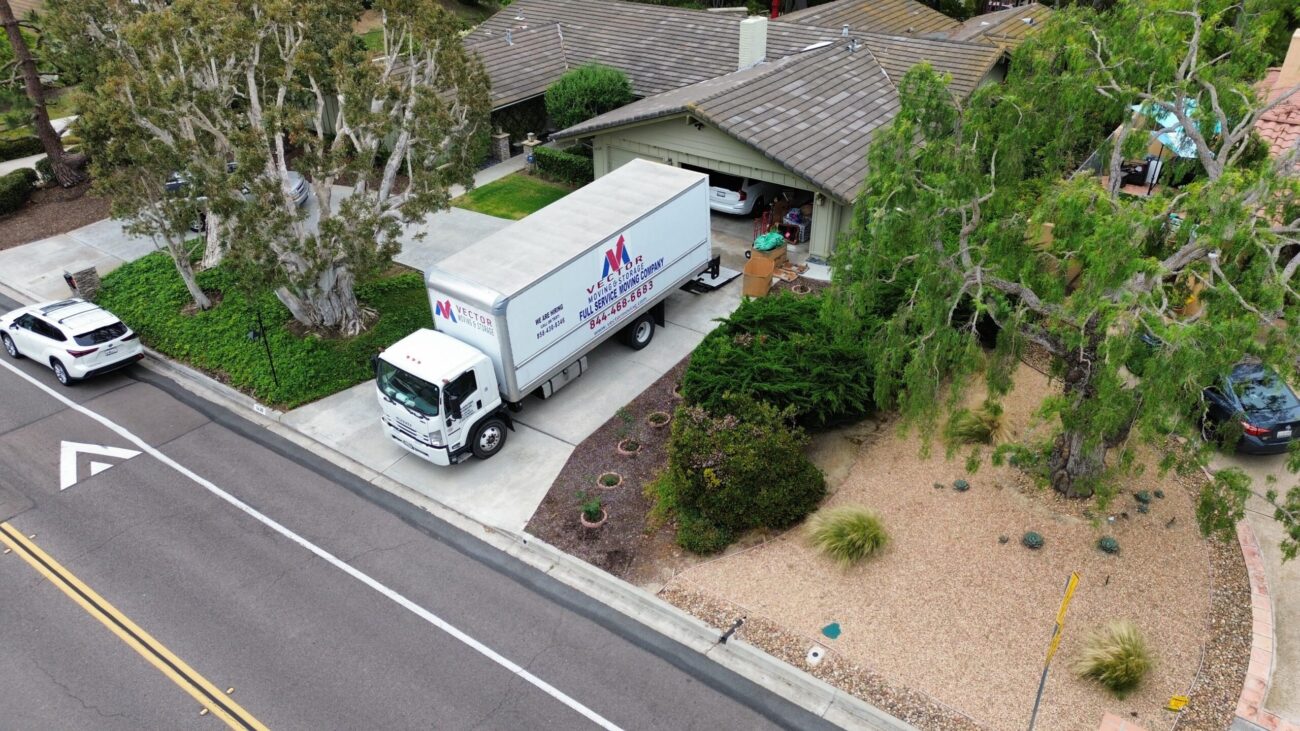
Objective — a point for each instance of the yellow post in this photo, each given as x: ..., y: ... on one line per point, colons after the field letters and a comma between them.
x: 1057, y: 631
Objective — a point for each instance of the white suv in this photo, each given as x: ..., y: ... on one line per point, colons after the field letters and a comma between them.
x: 78, y: 339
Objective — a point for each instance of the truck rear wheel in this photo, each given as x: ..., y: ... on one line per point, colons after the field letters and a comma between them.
x: 489, y: 438
x: 639, y: 334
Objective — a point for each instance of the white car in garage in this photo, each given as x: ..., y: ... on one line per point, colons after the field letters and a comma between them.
x: 737, y: 195
x: 75, y: 338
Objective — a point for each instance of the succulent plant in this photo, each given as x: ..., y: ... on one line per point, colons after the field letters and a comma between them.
x: 939, y: 485
x: 1160, y: 494
x: 960, y: 485
x: 1108, y: 544
x: 1144, y: 508
x: 1032, y: 540
x: 1143, y: 497
x: 1003, y: 539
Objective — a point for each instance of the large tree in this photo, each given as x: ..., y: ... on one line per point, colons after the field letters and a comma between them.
x: 275, y: 86
x: 960, y: 224
x: 20, y: 63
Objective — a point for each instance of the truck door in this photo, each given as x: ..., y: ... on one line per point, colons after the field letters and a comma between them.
x: 463, y: 402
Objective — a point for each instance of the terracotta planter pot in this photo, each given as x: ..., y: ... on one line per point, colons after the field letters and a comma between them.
x: 664, y: 415
x: 677, y: 391
x: 604, y: 516
x: 801, y: 289
x: 626, y: 450
x: 600, y: 481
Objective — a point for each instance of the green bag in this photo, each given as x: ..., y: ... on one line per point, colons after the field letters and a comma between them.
x: 768, y: 241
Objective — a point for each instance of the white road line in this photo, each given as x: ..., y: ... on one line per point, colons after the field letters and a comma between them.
x: 338, y: 563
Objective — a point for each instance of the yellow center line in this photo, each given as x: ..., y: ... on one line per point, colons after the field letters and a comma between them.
x: 208, y: 695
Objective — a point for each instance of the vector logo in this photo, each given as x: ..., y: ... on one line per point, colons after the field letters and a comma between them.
x: 615, y: 258
x: 443, y: 309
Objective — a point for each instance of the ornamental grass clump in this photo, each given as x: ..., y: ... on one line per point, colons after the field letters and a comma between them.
x: 849, y: 534
x: 1116, y: 657
x: 977, y: 426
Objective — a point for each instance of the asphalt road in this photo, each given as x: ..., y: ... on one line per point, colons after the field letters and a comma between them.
x: 223, y: 557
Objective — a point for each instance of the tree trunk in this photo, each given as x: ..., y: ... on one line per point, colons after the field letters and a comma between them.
x: 214, y: 249
x: 1077, y: 459
x: 67, y: 168
x: 182, y: 261
x: 329, y: 303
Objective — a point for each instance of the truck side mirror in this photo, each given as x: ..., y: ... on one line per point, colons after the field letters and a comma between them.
x: 453, y: 405
x: 374, y: 365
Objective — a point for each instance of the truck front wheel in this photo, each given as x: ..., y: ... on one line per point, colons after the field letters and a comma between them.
x: 489, y: 438
x: 639, y: 334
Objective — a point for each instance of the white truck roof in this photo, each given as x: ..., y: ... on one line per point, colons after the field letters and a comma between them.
x: 431, y: 355
x: 516, y: 257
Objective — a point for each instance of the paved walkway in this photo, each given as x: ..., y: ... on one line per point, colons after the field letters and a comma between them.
x: 8, y: 166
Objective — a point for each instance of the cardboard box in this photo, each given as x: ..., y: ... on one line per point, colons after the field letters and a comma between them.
x: 777, y: 255
x: 758, y: 276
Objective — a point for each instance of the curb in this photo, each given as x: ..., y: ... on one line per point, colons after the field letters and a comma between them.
x: 814, y: 695
x: 1250, y: 705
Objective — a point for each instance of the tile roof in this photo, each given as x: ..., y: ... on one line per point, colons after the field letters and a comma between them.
x: 660, y: 48
x: 21, y: 8
x: 1003, y: 28
x: 967, y: 63
x: 1280, y: 126
x: 900, y: 17
x: 813, y: 113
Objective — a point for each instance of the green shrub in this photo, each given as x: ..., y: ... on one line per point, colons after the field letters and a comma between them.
x: 979, y: 426
x: 1032, y: 540
x: 1115, y: 656
x: 15, y: 189
x: 1142, y: 497
x: 849, y: 535
x: 149, y: 296
x: 776, y: 349
x: 1108, y: 544
x: 590, y: 506
x: 45, y: 170
x: 698, y: 535
x: 563, y: 167
x: 586, y: 92
x: 16, y: 147
x: 960, y: 485
x: 744, y: 469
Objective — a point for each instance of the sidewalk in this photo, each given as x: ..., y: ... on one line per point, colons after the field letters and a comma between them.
x: 60, y: 125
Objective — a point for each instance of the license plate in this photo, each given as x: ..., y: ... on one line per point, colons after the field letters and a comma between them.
x: 110, y: 351
x: 1283, y: 433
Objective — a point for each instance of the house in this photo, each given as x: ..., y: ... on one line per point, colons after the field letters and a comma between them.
x: 1280, y: 126
x: 24, y: 8
x: 792, y: 101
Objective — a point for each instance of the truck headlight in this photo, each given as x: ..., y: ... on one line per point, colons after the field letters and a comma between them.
x: 435, y: 439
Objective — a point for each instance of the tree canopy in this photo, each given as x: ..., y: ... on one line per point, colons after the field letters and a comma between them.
x: 977, y: 214
x: 586, y: 92
x: 234, y: 95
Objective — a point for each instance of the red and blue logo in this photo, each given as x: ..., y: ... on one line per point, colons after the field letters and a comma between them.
x: 443, y: 309
x: 615, y: 258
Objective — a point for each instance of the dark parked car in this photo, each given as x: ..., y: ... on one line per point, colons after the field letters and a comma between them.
x: 1256, y: 400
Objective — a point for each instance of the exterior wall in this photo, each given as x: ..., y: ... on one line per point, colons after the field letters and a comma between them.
x: 675, y: 141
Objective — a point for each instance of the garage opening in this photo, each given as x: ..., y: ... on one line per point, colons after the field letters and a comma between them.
x: 746, y: 208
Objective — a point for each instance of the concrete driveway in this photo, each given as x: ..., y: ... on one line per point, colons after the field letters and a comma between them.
x: 1283, y: 579
x: 505, y: 491
x: 37, y: 268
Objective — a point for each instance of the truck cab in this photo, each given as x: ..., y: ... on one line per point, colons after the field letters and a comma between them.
x: 440, y: 399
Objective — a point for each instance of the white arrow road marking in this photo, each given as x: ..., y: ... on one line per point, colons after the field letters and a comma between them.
x: 68, y: 452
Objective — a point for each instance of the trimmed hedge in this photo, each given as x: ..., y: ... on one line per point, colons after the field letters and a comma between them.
x: 586, y: 92
x: 15, y: 189
x: 777, y: 349
x: 563, y: 167
x: 149, y: 296
x: 730, y: 473
x: 16, y: 147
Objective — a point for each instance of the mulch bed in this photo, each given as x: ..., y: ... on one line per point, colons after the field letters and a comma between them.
x: 626, y: 544
x: 52, y: 211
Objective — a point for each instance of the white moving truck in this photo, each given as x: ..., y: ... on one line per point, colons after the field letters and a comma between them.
x: 517, y: 312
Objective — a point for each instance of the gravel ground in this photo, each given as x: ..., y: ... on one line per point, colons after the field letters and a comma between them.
x: 52, y: 211
x: 949, y: 611
x: 1213, y: 700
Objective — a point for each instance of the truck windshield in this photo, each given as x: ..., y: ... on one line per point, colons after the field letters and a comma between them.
x: 414, y: 393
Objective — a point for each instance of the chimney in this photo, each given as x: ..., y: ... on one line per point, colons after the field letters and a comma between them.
x: 1290, y: 75
x: 753, y: 41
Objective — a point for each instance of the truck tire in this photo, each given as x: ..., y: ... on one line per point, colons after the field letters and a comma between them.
x: 639, y: 334
x: 489, y: 437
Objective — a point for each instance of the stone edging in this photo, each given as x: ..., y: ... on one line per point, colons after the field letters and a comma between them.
x: 1250, y: 706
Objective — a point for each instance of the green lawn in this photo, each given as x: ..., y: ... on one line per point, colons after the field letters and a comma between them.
x: 374, y: 39
x: 513, y: 196
x: 149, y: 296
